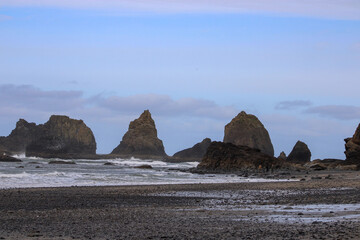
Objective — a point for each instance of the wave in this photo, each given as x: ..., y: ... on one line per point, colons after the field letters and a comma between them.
x: 93, y: 173
x: 134, y: 162
x: 24, y: 157
x: 15, y: 175
x: 21, y: 155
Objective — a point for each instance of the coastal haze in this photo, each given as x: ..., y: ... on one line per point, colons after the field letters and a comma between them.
x: 293, y: 64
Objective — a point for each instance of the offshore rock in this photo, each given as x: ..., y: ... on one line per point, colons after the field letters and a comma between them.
x: 61, y: 162
x: 194, y: 153
x: 247, y: 130
x: 62, y: 137
x: 6, y: 158
x: 144, y: 166
x: 282, y: 156
x: 300, y: 154
x: 227, y: 157
x: 141, y: 139
x: 325, y: 164
x: 352, y: 148
x: 23, y: 134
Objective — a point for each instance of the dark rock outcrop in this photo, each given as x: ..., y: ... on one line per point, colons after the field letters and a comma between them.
x: 227, y: 157
x: 61, y: 162
x: 352, y: 148
x: 144, y: 166
x: 6, y: 158
x: 61, y: 137
x: 23, y: 134
x: 109, y: 164
x: 326, y: 164
x: 195, y: 153
x: 247, y: 130
x: 141, y: 139
x: 282, y: 156
x: 300, y: 154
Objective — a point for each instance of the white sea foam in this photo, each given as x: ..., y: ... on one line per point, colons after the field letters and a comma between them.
x: 93, y: 172
x: 21, y: 155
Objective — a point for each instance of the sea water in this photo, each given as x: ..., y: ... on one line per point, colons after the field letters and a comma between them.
x: 37, y: 172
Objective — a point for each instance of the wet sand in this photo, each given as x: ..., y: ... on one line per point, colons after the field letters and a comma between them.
x: 326, y: 208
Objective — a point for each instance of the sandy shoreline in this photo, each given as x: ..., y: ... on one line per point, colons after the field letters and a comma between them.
x: 310, y: 209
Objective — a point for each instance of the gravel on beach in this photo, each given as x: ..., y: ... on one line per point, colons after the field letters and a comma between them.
x: 320, y: 207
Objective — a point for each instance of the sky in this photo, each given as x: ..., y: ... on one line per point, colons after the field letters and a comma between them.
x: 195, y: 65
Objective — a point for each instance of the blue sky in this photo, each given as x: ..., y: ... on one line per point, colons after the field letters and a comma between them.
x: 293, y: 64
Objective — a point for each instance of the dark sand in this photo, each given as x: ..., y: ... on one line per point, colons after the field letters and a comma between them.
x: 311, y: 209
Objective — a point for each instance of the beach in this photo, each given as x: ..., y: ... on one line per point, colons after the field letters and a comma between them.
x: 326, y: 208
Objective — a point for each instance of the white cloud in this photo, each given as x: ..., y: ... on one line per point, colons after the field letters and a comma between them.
x: 344, y: 9
x: 290, y: 105
x: 164, y: 105
x: 341, y: 112
x: 27, y: 98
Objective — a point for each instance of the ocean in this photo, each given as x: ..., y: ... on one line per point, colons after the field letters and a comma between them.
x: 37, y: 172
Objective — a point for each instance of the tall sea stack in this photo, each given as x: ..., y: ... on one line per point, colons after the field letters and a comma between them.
x: 247, y: 130
x: 141, y: 139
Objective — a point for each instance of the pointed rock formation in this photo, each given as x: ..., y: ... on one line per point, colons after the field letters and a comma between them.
x: 300, y: 154
x: 227, y: 157
x: 62, y: 136
x: 352, y: 148
x: 141, y: 139
x: 282, y: 156
x: 195, y: 153
x: 23, y: 134
x: 247, y: 130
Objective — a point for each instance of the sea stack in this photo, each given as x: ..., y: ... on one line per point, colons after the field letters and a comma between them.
x: 282, y: 156
x: 23, y: 134
x: 352, y: 148
x: 62, y: 137
x: 247, y: 130
x: 194, y: 153
x: 300, y: 154
x: 141, y: 139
